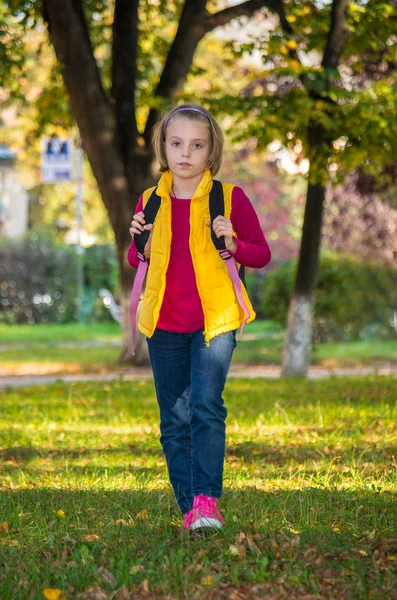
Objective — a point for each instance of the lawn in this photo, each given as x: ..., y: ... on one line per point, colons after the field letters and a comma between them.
x: 310, y: 482
x: 77, y: 348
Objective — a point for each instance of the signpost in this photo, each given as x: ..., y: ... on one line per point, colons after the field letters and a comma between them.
x: 56, y: 159
x: 57, y: 167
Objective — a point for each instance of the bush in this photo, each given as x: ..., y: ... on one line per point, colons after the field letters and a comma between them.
x: 100, y: 271
x: 38, y: 280
x: 354, y: 299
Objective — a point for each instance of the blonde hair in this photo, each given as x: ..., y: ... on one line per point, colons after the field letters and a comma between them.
x: 191, y: 112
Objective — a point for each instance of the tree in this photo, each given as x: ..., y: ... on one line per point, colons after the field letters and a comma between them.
x: 327, y: 92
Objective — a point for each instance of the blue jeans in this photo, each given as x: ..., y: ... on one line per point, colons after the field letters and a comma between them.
x: 189, y: 378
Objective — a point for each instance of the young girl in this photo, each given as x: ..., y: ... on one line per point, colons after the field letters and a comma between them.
x: 192, y: 307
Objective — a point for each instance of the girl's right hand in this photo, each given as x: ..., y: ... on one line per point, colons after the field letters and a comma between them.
x: 137, y: 226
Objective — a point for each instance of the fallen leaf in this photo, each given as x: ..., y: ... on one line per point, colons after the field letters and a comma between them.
x: 251, y: 544
x: 120, y: 522
x: 60, y: 514
x: 106, y: 576
x: 52, y: 594
x: 137, y: 568
x: 207, y: 580
x: 93, y: 593
x: 68, y: 540
x: 121, y: 594
x: 143, y: 514
x: 90, y: 537
x: 4, y: 526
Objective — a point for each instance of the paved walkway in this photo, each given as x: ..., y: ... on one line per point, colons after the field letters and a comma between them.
x: 272, y: 372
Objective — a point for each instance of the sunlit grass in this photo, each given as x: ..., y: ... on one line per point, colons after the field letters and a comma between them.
x: 309, y: 498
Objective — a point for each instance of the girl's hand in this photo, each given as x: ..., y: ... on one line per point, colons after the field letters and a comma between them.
x: 223, y: 226
x: 137, y: 226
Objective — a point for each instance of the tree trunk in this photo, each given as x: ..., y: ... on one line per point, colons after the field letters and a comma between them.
x: 297, y: 345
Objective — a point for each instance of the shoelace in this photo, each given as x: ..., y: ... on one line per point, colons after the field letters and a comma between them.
x: 207, y: 507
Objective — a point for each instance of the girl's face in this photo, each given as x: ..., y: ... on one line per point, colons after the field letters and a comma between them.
x: 187, y: 147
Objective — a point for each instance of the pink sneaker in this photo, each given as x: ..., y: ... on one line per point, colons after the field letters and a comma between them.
x: 203, y: 514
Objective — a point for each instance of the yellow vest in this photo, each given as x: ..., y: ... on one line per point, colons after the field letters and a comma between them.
x: 221, y: 309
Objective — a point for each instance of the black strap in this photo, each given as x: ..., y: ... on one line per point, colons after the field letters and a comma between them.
x: 217, y: 207
x: 150, y: 212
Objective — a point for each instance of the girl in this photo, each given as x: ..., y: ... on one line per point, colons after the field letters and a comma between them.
x: 190, y: 310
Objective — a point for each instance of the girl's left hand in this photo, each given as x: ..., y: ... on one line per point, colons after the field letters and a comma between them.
x: 223, y: 226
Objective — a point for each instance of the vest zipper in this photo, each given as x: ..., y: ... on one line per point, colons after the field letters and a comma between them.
x: 207, y: 342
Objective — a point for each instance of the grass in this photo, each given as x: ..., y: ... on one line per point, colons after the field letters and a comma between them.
x: 63, y: 348
x: 310, y: 482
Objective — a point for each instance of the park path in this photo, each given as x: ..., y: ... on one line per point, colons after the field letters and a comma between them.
x: 236, y: 370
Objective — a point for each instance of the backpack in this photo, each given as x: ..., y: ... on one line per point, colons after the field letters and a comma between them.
x: 217, y: 207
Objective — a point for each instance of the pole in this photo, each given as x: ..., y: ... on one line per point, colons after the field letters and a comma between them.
x: 79, y: 215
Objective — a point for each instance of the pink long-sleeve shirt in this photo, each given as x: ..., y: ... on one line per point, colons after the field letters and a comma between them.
x: 181, y: 310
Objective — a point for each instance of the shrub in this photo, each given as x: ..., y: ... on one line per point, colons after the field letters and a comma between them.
x: 354, y: 299
x: 38, y: 280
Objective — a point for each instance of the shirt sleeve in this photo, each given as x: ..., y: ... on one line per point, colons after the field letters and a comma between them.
x: 131, y: 256
x: 252, y: 248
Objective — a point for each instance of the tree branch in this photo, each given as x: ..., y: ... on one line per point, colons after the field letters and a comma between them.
x: 189, y: 33
x: 246, y: 9
x: 124, y: 60
x: 192, y: 27
x: 286, y: 27
x: 337, y: 35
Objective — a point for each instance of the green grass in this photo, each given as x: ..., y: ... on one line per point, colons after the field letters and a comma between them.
x: 309, y: 498
x: 60, y: 349
x: 51, y: 333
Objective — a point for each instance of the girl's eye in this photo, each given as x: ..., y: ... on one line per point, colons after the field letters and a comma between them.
x: 175, y: 143
x: 197, y: 145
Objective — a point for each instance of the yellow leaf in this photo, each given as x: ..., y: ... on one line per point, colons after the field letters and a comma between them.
x: 121, y: 522
x: 391, y: 557
x: 291, y: 19
x: 90, y: 537
x: 60, y: 514
x: 52, y: 594
x: 291, y: 44
x: 234, y: 550
x: 4, y: 526
x: 207, y: 580
x: 143, y: 514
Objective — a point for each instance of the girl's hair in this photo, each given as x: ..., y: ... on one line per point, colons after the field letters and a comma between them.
x: 190, y: 112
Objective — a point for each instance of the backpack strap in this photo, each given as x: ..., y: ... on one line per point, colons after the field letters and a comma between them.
x: 217, y: 207
x: 150, y: 212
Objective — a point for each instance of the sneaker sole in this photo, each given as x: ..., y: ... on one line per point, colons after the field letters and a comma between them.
x: 206, y: 522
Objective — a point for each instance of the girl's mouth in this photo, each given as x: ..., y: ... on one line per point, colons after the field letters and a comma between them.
x: 184, y: 164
